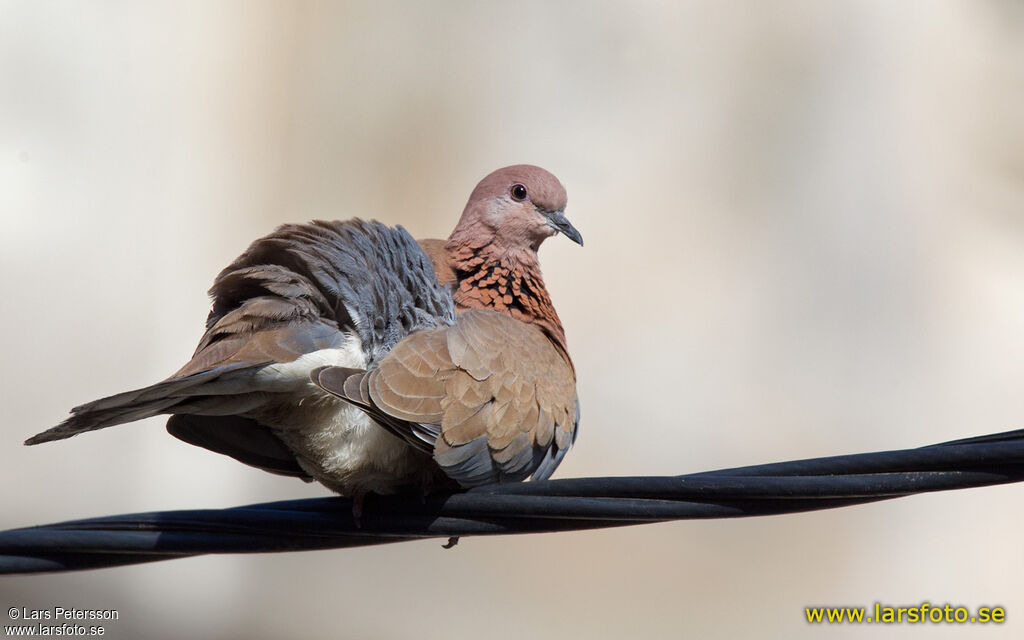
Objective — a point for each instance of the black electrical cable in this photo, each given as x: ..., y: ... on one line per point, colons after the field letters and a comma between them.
x: 531, y: 507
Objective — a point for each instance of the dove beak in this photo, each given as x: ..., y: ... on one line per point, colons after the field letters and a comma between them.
x: 558, y: 222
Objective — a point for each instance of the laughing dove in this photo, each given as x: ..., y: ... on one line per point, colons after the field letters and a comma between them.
x: 348, y: 353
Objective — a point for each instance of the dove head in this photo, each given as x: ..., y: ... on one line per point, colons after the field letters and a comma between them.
x: 491, y: 257
x: 515, y: 208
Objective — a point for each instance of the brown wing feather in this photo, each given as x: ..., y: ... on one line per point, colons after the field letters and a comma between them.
x: 499, y: 392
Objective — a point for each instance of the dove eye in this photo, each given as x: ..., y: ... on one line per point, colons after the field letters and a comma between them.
x: 518, y: 192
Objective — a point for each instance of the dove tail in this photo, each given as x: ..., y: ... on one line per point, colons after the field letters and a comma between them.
x: 85, y: 418
x: 175, y: 395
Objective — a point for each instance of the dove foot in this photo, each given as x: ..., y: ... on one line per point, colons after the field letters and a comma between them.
x: 452, y: 541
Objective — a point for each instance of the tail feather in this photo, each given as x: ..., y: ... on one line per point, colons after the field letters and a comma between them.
x: 160, y: 398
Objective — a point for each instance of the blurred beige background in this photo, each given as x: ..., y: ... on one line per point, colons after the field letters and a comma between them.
x: 804, y: 229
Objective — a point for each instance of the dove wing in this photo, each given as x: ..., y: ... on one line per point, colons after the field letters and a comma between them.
x: 491, y: 397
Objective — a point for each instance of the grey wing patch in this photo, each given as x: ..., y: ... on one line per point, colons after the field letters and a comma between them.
x: 474, y: 463
x: 469, y: 464
x: 549, y: 461
x: 360, y: 276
